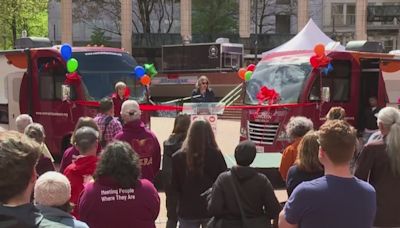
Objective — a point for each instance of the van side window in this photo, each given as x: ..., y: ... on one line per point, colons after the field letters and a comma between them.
x: 51, y: 74
x: 338, y: 80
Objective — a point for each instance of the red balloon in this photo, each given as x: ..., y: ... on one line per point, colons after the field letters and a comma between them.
x: 145, y: 80
x: 319, y: 49
x: 251, y: 67
x: 241, y: 73
x: 314, y: 61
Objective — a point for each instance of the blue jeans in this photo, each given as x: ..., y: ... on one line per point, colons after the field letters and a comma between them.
x: 193, y: 223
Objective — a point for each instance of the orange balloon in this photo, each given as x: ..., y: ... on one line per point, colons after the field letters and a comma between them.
x: 145, y: 80
x: 242, y: 72
x: 319, y: 49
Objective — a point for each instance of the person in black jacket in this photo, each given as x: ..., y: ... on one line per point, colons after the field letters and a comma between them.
x: 202, y: 92
x: 171, y: 145
x: 255, y: 192
x: 195, y: 167
x: 368, y: 124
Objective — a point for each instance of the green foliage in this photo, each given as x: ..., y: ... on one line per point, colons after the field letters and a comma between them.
x: 215, y: 16
x: 18, y: 15
x: 98, y: 37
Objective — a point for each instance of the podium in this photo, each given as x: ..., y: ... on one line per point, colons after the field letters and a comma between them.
x: 208, y: 111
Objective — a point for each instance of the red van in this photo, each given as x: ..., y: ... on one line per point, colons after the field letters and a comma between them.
x: 308, y: 92
x: 33, y: 81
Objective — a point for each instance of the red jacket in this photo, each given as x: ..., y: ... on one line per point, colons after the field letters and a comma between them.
x: 145, y: 143
x: 118, y: 103
x: 78, y: 173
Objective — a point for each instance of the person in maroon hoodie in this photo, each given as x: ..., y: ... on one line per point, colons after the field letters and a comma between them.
x: 141, y: 139
x: 121, y: 94
x: 118, y: 197
x: 71, y: 153
x: 82, y: 169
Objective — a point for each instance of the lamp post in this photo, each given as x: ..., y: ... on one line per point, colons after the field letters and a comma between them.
x: 255, y: 30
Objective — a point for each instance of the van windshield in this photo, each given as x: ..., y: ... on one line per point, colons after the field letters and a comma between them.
x: 100, y: 72
x: 284, y: 74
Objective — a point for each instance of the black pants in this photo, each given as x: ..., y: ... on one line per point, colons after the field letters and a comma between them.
x: 172, y: 204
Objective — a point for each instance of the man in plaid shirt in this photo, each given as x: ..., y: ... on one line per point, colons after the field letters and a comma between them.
x: 108, y: 125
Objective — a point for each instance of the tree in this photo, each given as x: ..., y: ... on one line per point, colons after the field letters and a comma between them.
x: 215, y: 16
x: 144, y: 11
x: 98, y: 37
x: 269, y: 8
x: 18, y: 15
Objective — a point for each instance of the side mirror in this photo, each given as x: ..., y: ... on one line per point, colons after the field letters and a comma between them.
x: 325, y: 94
x: 65, y: 92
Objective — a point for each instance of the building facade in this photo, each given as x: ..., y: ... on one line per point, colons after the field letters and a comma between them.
x: 340, y: 21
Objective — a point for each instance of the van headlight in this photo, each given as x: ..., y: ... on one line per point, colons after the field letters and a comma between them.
x: 243, y: 132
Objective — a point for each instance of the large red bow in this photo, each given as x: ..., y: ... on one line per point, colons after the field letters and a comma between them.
x: 267, y: 94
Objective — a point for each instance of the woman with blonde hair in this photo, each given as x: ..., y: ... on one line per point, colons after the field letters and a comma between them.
x: 307, y: 166
x: 203, y: 92
x: 336, y: 113
x: 72, y: 152
x: 379, y: 164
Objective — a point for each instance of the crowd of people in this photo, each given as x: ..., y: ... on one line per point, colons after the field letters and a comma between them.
x: 106, y: 177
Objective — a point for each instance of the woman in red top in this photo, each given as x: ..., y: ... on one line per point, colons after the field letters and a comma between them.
x: 121, y: 94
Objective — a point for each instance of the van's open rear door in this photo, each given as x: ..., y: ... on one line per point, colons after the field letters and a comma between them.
x: 390, y: 70
x: 13, y: 65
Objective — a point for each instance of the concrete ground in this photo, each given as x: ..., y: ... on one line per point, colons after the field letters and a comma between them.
x: 227, y: 137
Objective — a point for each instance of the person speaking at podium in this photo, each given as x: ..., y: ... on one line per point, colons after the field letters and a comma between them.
x: 202, y: 92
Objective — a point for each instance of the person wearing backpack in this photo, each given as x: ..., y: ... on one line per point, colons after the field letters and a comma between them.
x: 242, y: 197
x: 109, y: 126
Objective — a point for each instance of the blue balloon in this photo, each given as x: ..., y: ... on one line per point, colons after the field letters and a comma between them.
x: 139, y: 71
x: 66, y: 51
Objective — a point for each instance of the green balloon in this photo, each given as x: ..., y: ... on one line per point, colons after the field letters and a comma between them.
x: 72, y: 65
x: 150, y: 70
x: 247, y: 75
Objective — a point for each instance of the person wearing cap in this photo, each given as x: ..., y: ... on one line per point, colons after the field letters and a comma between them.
x: 109, y: 126
x: 255, y: 191
x: 141, y: 139
x: 82, y: 169
x: 121, y: 94
x: 51, y: 196
x: 118, y: 197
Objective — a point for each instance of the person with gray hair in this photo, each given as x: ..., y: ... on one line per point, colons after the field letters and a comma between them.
x: 379, y: 164
x: 22, y: 121
x: 297, y: 127
x: 141, y: 139
x: 35, y: 131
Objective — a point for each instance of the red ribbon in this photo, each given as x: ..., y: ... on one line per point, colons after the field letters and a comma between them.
x: 146, y: 107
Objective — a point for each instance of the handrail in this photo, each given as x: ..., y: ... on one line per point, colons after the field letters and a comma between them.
x: 232, y: 96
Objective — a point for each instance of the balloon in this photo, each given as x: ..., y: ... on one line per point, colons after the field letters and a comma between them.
x: 241, y: 73
x: 319, y: 49
x: 145, y: 80
x: 66, y: 51
x: 72, y: 65
x: 251, y: 67
x: 247, y: 75
x: 139, y: 71
x: 314, y: 61
x: 150, y: 70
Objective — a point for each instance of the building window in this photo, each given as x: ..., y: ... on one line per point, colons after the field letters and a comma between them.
x: 282, y: 24
x: 282, y: 1
x: 343, y: 14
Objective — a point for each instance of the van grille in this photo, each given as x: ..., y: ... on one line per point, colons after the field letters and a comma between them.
x: 262, y: 133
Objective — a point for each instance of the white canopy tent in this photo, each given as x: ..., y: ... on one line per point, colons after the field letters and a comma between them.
x: 306, y: 39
